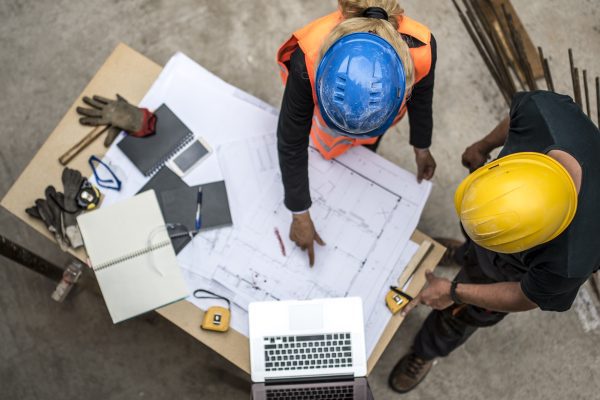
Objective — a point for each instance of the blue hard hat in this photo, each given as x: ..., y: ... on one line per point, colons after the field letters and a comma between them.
x: 360, y: 85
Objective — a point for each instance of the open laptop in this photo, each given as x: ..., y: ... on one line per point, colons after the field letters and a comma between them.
x: 309, y: 349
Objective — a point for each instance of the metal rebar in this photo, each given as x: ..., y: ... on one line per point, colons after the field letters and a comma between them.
x: 586, y: 94
x: 577, y: 87
x: 486, y: 46
x: 574, y: 79
x: 598, y: 99
x: 510, y: 47
x: 544, y: 62
x: 547, y: 68
x: 497, y: 48
x: 595, y: 285
x: 480, y: 49
x: 525, y: 65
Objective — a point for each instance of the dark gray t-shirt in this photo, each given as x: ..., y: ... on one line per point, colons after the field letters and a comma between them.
x: 551, y: 273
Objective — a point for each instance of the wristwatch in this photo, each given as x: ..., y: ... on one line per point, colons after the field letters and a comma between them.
x: 453, y: 295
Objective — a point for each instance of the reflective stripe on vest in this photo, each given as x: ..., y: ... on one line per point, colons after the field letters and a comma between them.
x: 310, y: 38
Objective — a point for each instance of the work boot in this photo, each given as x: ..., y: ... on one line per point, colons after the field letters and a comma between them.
x: 452, y: 245
x: 408, y: 373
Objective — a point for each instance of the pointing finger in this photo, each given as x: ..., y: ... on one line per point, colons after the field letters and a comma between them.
x: 319, y: 240
x: 311, y: 254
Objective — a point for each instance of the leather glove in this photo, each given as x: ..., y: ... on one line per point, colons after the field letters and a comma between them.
x: 49, y: 212
x: 118, y: 114
x: 71, y: 180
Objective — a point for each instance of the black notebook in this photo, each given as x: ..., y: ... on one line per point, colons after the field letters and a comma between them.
x: 149, y: 154
x: 178, y: 203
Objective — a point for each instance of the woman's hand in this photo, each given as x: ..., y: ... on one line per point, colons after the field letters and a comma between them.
x: 425, y: 164
x: 303, y: 233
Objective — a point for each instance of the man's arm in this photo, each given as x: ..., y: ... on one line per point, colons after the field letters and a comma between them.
x: 501, y: 296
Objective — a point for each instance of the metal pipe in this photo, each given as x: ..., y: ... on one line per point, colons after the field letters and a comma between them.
x: 21, y: 255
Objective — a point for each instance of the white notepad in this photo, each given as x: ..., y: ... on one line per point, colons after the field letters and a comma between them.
x: 132, y: 256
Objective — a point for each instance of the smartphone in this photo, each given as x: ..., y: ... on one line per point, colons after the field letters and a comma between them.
x: 185, y: 161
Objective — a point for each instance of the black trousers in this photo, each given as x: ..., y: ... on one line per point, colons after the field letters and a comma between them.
x: 445, y: 330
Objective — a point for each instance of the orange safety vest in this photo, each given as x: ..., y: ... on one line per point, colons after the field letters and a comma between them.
x: 310, y: 38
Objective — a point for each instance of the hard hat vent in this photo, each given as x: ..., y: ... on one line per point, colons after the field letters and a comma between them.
x: 339, y: 91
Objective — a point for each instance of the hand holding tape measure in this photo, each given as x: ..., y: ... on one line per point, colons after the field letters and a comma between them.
x: 396, y: 299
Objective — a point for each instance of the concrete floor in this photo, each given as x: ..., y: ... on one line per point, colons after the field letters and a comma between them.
x: 49, y: 52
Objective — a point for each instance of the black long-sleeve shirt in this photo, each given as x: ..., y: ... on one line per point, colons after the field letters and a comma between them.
x: 295, y: 119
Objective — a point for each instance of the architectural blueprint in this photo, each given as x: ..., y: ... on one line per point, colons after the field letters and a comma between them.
x: 366, y: 227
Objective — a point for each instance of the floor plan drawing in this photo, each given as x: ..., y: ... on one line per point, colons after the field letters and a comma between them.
x: 364, y: 211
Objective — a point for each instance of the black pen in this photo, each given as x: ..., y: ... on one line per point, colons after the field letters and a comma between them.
x: 199, y: 209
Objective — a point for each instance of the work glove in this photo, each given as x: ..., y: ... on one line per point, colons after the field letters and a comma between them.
x: 118, y: 114
x: 48, y: 210
x: 72, y: 181
x: 111, y: 135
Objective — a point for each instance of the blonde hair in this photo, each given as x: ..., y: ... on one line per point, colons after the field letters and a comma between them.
x: 354, y: 22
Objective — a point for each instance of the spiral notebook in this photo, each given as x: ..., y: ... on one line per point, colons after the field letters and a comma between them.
x: 150, y: 153
x: 132, y: 257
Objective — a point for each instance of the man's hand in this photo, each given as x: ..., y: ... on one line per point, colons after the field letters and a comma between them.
x: 303, y: 233
x: 425, y: 164
x: 436, y: 295
x: 475, y: 156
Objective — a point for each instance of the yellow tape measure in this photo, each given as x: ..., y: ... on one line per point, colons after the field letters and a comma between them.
x: 216, y: 318
x: 396, y: 299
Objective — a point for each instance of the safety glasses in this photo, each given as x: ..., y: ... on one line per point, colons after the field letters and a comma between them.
x: 105, y: 177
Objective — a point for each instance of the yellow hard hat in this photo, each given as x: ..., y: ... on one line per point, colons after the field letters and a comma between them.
x: 516, y: 202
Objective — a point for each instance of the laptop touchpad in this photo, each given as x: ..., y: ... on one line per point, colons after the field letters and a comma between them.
x: 306, y: 317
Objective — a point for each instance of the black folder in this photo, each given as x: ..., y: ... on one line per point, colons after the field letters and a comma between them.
x: 178, y: 203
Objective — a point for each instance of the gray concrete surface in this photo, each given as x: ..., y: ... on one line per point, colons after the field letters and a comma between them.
x: 50, y: 50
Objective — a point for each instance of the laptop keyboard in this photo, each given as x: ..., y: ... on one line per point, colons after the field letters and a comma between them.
x: 288, y: 353
x: 314, y: 393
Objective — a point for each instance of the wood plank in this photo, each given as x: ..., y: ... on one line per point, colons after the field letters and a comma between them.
x: 530, y: 50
